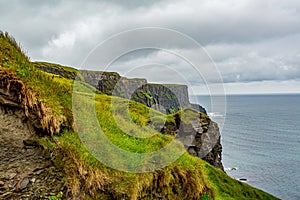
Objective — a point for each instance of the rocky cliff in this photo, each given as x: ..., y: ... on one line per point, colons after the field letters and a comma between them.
x: 198, y: 133
x: 165, y: 98
x: 168, y: 98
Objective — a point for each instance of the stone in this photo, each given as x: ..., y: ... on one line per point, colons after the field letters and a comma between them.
x: 1, y: 183
x: 6, y: 194
x: 38, y: 172
x: 32, y: 180
x: 30, y: 142
x: 8, y: 102
x: 24, y: 183
x: 11, y: 175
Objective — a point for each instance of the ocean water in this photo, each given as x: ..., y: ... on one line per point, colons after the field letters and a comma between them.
x: 261, y: 140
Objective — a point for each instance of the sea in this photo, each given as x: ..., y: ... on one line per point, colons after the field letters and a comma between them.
x: 260, y: 139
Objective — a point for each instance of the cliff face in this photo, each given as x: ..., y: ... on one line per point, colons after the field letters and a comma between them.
x: 166, y: 98
x: 200, y: 136
x: 65, y: 72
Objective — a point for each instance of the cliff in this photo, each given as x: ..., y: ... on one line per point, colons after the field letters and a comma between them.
x: 198, y: 133
x: 43, y: 155
x: 168, y: 98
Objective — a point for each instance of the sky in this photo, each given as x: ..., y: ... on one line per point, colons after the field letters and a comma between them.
x: 243, y: 46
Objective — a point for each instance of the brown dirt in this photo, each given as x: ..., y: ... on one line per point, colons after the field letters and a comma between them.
x: 25, y: 171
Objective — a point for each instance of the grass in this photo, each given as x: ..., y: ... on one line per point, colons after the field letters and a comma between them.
x: 101, y: 119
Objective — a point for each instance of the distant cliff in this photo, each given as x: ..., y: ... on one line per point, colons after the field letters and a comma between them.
x: 167, y: 98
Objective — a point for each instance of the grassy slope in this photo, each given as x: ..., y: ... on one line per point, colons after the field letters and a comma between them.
x: 87, y: 177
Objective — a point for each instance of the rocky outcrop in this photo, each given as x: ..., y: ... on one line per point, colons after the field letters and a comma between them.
x: 165, y: 98
x: 100, y: 81
x: 199, y: 135
x: 57, y: 70
x: 198, y: 108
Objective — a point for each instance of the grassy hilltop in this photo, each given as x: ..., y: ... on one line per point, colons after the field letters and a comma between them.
x: 49, y: 97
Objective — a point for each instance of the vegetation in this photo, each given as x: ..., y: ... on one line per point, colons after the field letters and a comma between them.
x: 88, y: 178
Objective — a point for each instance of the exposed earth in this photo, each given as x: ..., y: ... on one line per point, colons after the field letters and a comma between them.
x: 25, y: 171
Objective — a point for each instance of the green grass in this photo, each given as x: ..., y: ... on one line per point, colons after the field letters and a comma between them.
x: 227, y: 188
x: 127, y: 125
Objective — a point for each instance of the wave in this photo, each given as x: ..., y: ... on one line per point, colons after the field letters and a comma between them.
x: 231, y: 168
x: 215, y: 114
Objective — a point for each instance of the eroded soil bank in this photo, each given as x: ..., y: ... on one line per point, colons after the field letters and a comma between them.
x: 25, y: 171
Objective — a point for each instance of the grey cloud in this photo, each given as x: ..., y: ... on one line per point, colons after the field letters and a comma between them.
x: 134, y: 4
x: 249, y: 40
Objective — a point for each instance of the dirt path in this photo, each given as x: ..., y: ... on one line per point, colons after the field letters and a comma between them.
x: 25, y: 172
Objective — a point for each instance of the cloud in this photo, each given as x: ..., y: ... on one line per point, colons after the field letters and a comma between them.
x: 249, y: 40
x: 257, y: 87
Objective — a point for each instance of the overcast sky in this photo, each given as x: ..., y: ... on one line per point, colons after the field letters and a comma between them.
x: 254, y: 44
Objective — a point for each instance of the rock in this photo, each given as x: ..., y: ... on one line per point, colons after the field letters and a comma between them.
x: 32, y: 180
x: 11, y: 175
x: 58, y: 70
x: 1, y: 183
x: 30, y: 142
x: 200, y: 135
x: 39, y: 170
x: 6, y: 194
x: 8, y: 102
x: 23, y: 183
x: 63, y: 188
x: 192, y: 150
x: 172, y: 97
x: 166, y: 98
